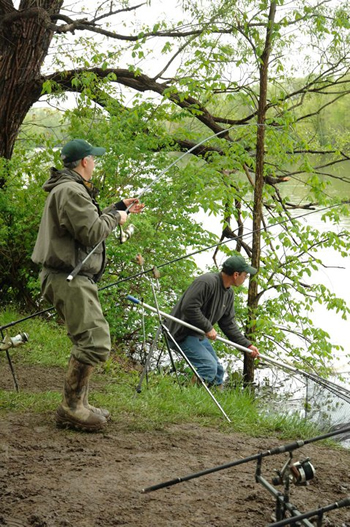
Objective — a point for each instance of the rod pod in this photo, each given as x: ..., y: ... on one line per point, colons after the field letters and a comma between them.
x: 169, y: 337
x: 317, y: 512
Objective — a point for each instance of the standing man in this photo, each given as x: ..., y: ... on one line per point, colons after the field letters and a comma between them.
x: 207, y: 301
x: 71, y: 225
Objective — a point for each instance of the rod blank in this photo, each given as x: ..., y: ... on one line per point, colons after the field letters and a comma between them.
x: 273, y: 451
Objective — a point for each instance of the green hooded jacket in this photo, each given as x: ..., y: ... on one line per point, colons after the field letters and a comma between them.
x: 72, y: 224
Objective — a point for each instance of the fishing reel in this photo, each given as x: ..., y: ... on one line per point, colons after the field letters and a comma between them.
x: 299, y: 473
x: 124, y: 235
x: 13, y: 342
x: 302, y: 472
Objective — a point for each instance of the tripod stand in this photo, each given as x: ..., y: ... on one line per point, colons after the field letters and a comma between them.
x: 169, y: 338
x: 160, y: 328
x: 8, y: 342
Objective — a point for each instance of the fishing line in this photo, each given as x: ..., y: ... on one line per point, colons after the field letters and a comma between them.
x: 78, y: 267
x: 76, y: 270
x: 225, y: 130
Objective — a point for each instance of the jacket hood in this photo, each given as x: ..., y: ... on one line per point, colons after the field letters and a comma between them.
x: 57, y: 177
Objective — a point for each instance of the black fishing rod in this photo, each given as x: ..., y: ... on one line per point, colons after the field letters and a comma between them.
x: 208, y: 247
x: 120, y: 281
x: 271, y: 452
x: 337, y: 390
x: 316, y: 512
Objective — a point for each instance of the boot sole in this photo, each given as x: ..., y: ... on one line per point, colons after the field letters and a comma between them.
x: 67, y: 422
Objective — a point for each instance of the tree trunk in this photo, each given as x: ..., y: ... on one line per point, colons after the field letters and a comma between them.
x: 248, y: 367
x: 25, y: 37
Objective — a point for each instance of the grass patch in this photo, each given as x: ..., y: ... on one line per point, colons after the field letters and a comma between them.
x: 163, y: 401
x: 48, y: 343
x: 24, y: 401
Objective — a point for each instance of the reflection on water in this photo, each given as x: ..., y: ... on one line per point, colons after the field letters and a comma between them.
x: 328, y: 408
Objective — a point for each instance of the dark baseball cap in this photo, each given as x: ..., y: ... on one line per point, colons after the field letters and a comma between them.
x: 237, y: 264
x: 78, y: 149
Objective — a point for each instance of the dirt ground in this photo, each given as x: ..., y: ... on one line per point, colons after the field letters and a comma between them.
x: 55, y: 478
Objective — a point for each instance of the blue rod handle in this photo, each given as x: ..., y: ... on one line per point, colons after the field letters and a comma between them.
x: 133, y: 299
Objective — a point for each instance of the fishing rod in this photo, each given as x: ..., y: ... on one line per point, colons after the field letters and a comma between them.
x: 338, y: 390
x: 300, y: 473
x: 174, y: 260
x: 208, y: 247
x: 271, y: 452
x: 316, y: 512
x: 126, y: 279
x: 76, y: 270
x: 186, y: 324
x: 125, y: 235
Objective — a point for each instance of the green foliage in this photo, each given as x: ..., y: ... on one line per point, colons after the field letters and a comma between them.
x: 21, y: 202
x: 216, y: 81
x: 41, y: 127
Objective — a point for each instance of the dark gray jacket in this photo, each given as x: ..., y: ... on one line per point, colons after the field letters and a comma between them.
x: 205, y: 303
x: 72, y: 224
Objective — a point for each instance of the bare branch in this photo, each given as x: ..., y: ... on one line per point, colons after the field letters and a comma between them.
x: 142, y: 83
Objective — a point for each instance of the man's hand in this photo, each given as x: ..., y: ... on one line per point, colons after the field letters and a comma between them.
x: 254, y: 351
x: 123, y: 217
x: 135, y: 206
x: 212, y: 334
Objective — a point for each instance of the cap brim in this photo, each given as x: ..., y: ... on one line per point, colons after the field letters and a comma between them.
x: 98, y: 151
x: 251, y: 270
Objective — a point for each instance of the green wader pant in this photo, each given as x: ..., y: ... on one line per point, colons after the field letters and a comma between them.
x: 78, y: 304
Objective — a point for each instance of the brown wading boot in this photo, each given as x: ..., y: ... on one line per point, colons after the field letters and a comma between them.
x: 72, y: 413
x: 98, y: 411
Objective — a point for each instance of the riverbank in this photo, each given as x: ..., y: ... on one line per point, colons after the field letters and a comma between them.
x: 55, y: 478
